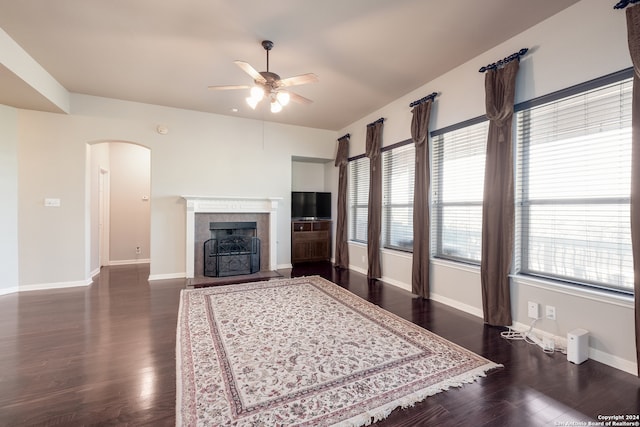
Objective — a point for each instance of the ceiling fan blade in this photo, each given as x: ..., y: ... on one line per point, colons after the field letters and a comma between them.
x: 299, y: 98
x: 229, y: 87
x: 247, y: 68
x: 302, y: 79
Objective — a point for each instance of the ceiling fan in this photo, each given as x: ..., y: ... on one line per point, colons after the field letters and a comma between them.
x: 270, y: 85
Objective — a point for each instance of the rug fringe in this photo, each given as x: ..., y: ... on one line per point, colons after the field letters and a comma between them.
x: 179, y: 365
x: 380, y: 413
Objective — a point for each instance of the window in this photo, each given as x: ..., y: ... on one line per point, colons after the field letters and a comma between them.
x: 457, y: 189
x: 358, y: 198
x: 573, y: 187
x: 398, y: 175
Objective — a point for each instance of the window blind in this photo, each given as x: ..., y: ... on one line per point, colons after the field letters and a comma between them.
x: 573, y: 188
x: 457, y: 190
x: 358, y: 198
x: 398, y: 169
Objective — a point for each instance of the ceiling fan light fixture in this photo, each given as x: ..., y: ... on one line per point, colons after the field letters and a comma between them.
x: 253, y: 102
x: 275, y: 106
x: 257, y: 93
x: 283, y: 98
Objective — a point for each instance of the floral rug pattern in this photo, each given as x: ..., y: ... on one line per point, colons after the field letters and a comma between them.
x: 305, y: 352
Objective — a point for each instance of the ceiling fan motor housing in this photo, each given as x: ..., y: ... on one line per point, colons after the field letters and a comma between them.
x: 272, y: 79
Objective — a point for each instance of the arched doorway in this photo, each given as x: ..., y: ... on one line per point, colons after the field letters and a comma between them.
x: 120, y: 204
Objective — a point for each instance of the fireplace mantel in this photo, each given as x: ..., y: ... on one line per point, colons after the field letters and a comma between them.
x: 226, y: 204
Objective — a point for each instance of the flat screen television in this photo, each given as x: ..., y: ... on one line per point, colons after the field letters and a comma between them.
x: 310, y: 205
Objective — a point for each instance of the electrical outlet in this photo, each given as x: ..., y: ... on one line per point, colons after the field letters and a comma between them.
x: 548, y: 344
x: 138, y: 250
x: 533, y: 310
x: 551, y: 312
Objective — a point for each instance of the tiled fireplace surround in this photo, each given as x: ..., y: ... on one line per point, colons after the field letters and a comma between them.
x: 201, y: 210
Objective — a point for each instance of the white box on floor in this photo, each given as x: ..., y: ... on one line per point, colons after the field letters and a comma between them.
x: 577, y: 346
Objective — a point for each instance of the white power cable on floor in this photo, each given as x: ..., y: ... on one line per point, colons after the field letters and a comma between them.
x: 529, y: 337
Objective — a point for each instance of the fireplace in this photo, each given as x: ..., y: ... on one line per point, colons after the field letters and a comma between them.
x: 202, y: 210
x: 232, y: 250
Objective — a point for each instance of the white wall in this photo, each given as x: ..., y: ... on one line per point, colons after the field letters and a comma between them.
x: 585, y: 41
x: 203, y: 154
x: 130, y: 173
x: 51, y: 164
x: 9, y: 205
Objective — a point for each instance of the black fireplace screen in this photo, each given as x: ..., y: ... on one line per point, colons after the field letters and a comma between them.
x: 232, y: 250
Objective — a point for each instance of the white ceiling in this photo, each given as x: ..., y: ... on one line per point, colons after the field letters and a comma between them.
x: 366, y: 53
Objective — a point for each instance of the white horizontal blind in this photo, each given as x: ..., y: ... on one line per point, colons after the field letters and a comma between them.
x: 398, y: 170
x: 573, y: 190
x: 458, y: 187
x: 358, y: 198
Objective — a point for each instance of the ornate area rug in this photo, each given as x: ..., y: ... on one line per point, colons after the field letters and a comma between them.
x: 305, y: 352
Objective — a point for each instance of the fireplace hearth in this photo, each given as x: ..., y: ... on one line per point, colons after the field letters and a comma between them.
x: 232, y: 250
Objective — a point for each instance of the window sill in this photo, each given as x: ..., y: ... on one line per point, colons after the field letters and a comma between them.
x: 397, y: 253
x: 356, y: 243
x: 626, y: 301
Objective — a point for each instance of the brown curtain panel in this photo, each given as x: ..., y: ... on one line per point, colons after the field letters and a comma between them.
x: 419, y: 134
x: 498, y: 204
x: 633, y: 33
x: 342, y: 248
x: 373, y: 145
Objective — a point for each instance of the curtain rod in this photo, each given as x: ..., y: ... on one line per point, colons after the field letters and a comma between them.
x: 506, y: 60
x: 380, y: 120
x: 345, y: 136
x: 624, y: 3
x: 425, y: 99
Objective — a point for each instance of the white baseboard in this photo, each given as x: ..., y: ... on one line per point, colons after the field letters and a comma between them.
x: 595, y: 354
x: 167, y: 276
x: 615, y: 361
x: 283, y: 266
x: 129, y: 261
x: 458, y: 305
x: 396, y: 283
x: 57, y: 285
x: 358, y: 269
x: 9, y: 290
x: 393, y: 282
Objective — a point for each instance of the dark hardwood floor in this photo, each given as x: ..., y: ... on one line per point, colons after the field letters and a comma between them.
x: 105, y: 355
